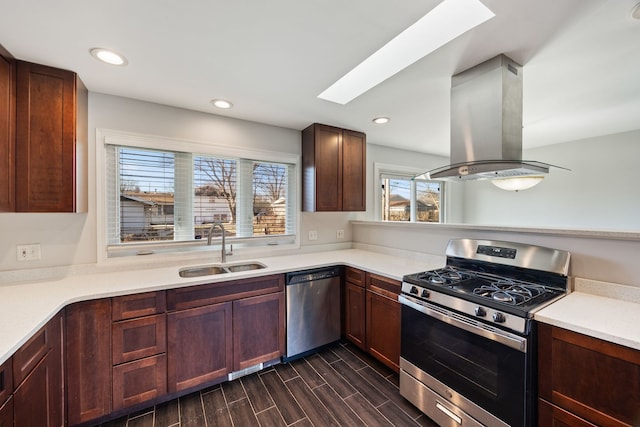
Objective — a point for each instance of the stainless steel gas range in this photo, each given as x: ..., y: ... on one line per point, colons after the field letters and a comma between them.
x: 468, y: 341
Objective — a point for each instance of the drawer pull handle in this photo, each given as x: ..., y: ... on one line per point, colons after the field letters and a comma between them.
x: 450, y: 414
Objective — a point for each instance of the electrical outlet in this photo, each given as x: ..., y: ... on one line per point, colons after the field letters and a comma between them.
x: 340, y: 234
x: 313, y: 235
x: 28, y: 252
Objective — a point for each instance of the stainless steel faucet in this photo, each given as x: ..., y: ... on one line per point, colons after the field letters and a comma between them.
x: 224, y: 248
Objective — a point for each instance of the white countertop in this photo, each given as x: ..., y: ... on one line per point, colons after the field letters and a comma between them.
x: 613, y: 314
x: 26, y: 307
x: 601, y: 310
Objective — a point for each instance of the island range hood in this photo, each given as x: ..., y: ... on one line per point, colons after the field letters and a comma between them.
x: 486, y: 125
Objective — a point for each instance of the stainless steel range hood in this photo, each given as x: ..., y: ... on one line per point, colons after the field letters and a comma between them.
x: 486, y: 125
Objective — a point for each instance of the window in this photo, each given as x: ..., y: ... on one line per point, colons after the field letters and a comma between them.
x: 159, y: 196
x: 406, y: 199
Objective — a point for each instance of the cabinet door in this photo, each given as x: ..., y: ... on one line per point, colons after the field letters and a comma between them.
x: 322, y: 168
x: 6, y: 413
x: 593, y: 379
x: 199, y: 346
x: 88, y: 355
x: 38, y: 400
x: 383, y: 320
x: 258, y: 330
x: 7, y: 134
x: 139, y: 381
x: 354, y: 149
x: 45, y: 138
x: 354, y: 316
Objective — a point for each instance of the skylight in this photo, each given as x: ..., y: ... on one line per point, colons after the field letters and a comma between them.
x: 445, y: 22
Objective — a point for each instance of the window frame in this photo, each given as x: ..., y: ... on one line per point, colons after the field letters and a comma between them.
x: 380, y: 169
x: 105, y: 137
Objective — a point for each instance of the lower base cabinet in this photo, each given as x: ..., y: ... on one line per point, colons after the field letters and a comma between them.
x: 139, y: 381
x: 584, y: 381
x: 88, y: 356
x: 199, y: 346
x: 383, y: 320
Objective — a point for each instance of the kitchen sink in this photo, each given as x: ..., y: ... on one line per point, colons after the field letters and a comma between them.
x: 211, y: 270
x: 245, y: 267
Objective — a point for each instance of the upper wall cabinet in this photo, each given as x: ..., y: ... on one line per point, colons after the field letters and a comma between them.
x: 334, y: 168
x: 50, y: 141
x: 7, y: 133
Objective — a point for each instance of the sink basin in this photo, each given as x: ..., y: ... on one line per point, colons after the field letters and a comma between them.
x: 245, y: 267
x: 210, y: 270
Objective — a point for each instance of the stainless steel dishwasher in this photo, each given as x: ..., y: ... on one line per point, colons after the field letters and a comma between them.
x: 313, y: 310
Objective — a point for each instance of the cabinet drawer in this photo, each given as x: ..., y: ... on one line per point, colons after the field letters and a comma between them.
x: 383, y: 285
x: 137, y: 338
x: 138, y: 305
x: 355, y: 276
x: 32, y: 352
x: 139, y: 381
x: 6, y: 381
x: 198, y: 296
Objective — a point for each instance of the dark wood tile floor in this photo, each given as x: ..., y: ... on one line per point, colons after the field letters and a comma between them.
x: 340, y: 386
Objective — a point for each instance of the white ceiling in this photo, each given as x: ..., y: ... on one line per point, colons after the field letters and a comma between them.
x: 581, y: 60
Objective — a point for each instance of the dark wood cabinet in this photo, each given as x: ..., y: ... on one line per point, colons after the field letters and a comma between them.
x: 258, y: 330
x: 334, y: 169
x: 6, y: 413
x: 583, y: 380
x: 138, y: 345
x: 88, y: 357
x: 7, y: 132
x: 383, y: 320
x: 355, y: 313
x: 38, y: 378
x: 51, y: 122
x: 199, y: 346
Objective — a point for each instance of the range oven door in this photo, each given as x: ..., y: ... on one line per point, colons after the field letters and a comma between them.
x: 481, y: 370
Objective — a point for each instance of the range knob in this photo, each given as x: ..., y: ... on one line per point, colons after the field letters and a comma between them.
x: 480, y: 312
x: 425, y: 293
x: 499, y: 317
x: 413, y: 290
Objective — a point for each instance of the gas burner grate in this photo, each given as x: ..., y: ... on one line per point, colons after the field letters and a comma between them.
x: 509, y: 292
x: 445, y: 276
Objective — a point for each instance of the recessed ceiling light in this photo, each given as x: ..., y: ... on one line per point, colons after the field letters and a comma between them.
x: 221, y: 103
x: 381, y: 120
x: 445, y: 22
x: 108, y: 56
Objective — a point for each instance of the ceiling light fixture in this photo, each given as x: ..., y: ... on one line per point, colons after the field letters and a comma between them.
x: 381, y: 120
x: 443, y: 23
x: 221, y: 103
x: 108, y: 56
x: 635, y: 12
x: 517, y: 184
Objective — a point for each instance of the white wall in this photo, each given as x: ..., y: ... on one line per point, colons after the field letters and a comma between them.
x: 600, y: 192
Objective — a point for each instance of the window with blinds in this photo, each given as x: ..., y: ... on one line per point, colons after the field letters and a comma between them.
x: 407, y: 199
x: 156, y: 196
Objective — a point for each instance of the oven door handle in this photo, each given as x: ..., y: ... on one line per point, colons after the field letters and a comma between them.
x: 470, y: 325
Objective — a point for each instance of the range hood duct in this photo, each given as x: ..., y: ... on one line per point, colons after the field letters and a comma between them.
x: 486, y: 125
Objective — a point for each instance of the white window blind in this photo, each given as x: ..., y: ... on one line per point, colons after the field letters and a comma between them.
x: 156, y: 196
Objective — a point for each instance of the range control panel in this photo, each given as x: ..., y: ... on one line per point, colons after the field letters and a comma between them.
x: 497, y: 251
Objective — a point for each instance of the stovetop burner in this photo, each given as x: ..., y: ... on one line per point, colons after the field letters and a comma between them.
x: 444, y: 276
x: 510, y: 292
